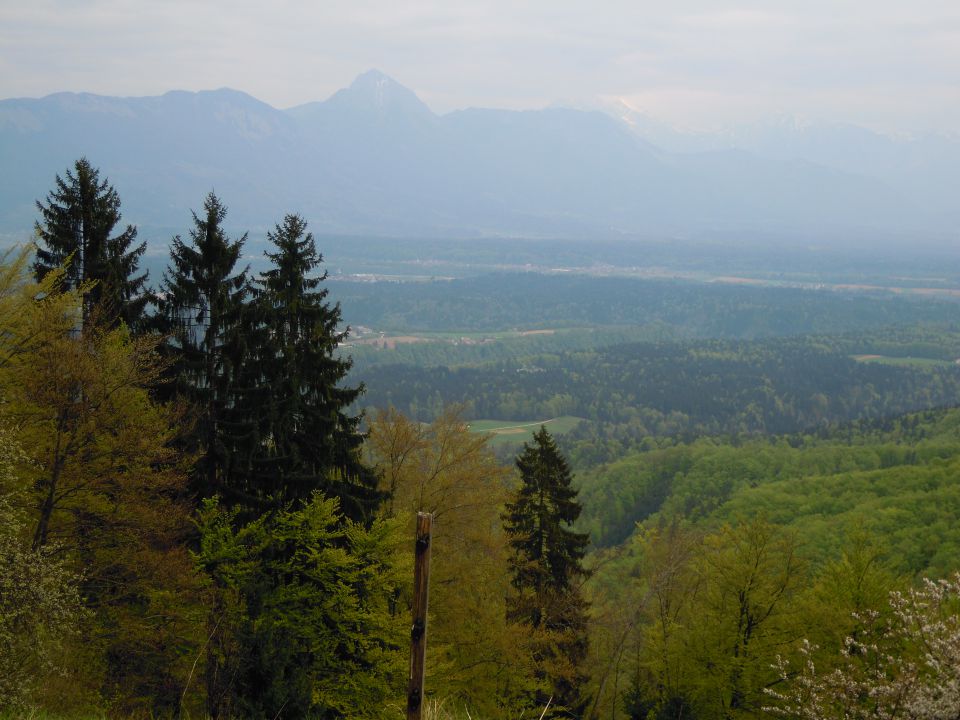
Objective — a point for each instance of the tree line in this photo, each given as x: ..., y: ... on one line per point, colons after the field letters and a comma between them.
x: 632, y: 392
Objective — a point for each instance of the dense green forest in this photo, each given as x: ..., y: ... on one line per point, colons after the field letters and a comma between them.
x: 862, y: 469
x: 830, y: 521
x: 694, y: 309
x: 197, y: 520
x: 632, y: 392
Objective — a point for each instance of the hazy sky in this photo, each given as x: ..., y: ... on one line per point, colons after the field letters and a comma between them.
x: 889, y: 64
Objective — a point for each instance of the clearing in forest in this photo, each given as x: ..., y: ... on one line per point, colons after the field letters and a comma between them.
x: 516, y: 431
x: 907, y: 361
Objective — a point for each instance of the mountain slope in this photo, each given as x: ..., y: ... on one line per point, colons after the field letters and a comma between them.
x: 373, y: 158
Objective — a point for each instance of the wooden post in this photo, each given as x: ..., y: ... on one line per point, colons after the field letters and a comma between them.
x: 418, y: 633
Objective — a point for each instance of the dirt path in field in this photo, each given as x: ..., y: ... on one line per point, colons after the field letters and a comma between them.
x: 517, y: 429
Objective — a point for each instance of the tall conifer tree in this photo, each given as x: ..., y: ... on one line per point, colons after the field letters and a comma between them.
x: 547, y: 568
x: 203, y: 302
x: 75, y: 223
x: 308, y: 441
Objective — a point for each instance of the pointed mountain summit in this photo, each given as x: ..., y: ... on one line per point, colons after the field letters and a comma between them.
x: 386, y: 144
x: 373, y: 98
x: 375, y: 92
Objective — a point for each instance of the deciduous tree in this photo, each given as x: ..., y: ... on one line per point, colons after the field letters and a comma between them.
x: 40, y: 605
x: 905, y: 663
x: 742, y: 616
x: 101, y: 480
x: 445, y: 469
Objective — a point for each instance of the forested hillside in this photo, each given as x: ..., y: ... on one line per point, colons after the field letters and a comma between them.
x: 692, y: 309
x: 636, y: 391
x: 198, y: 519
x: 809, y: 530
x: 875, y: 471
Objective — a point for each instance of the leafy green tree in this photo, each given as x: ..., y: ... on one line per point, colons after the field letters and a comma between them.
x: 742, y: 617
x: 643, y: 605
x: 304, y: 625
x: 547, y: 569
x: 447, y: 470
x: 204, y: 298
x: 101, y: 488
x: 848, y: 590
x: 294, y: 387
x: 75, y: 229
x: 40, y: 603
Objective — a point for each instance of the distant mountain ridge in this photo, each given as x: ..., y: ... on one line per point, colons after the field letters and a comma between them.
x: 374, y: 159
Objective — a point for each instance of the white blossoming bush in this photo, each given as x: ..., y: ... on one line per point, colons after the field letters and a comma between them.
x: 903, y: 665
x: 39, y: 601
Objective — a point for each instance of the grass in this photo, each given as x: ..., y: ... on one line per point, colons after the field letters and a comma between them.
x: 438, y: 710
x: 514, y: 432
x: 439, y: 335
x: 902, y: 361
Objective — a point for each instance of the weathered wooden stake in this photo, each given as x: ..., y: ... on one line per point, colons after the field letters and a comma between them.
x: 418, y: 633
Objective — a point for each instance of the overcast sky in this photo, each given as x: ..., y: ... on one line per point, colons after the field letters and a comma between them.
x: 889, y: 64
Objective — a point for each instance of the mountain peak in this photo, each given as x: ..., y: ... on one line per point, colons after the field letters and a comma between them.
x: 372, y: 77
x: 378, y: 93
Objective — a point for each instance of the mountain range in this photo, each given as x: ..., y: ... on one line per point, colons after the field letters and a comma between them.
x: 374, y: 159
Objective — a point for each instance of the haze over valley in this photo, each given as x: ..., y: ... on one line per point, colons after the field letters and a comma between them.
x: 374, y: 160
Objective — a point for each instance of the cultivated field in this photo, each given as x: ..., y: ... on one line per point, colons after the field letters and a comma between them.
x: 517, y: 431
x: 904, y: 361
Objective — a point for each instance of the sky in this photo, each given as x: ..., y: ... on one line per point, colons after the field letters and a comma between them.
x: 887, y: 64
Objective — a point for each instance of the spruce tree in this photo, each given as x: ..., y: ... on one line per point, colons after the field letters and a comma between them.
x: 203, y: 303
x: 76, y: 223
x: 308, y: 441
x: 547, y: 569
x: 308, y: 625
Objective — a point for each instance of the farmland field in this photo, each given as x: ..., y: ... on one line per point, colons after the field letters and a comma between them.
x: 506, y: 432
x: 903, y: 361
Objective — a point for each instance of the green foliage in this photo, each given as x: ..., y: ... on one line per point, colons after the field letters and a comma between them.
x: 916, y: 508
x: 305, y: 625
x: 100, y: 482
x: 202, y: 306
x: 257, y: 364
x: 547, y: 569
x: 696, y: 621
x: 892, y: 477
x: 476, y: 659
x: 849, y: 514
x: 849, y: 589
x: 628, y: 393
x: 749, y: 578
x: 75, y: 226
x: 304, y: 440
x: 40, y: 604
